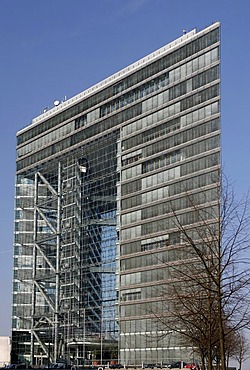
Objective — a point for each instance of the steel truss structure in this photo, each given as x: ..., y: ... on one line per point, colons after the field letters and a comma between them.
x: 74, y: 251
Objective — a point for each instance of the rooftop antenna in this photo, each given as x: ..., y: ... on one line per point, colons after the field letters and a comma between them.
x: 56, y: 103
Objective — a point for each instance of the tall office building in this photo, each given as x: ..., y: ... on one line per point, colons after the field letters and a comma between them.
x: 97, y: 177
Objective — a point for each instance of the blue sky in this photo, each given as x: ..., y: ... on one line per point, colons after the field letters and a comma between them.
x: 50, y: 49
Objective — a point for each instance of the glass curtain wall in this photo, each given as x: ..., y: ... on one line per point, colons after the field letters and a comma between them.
x: 171, y: 154
x: 97, y: 183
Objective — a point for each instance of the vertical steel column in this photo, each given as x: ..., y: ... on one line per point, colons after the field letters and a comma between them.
x: 84, y: 337
x: 58, y: 245
x: 101, y: 329
x: 118, y: 226
x: 34, y: 273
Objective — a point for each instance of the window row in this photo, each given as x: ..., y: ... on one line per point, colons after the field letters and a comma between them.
x: 200, y: 97
x: 188, y: 201
x: 128, y: 310
x: 144, y: 325
x: 46, y: 139
x: 24, y: 215
x: 145, y: 122
x: 24, y: 250
x: 130, y: 217
x: 196, y: 182
x: 19, y: 286
x: 197, y: 81
x: 205, y: 196
x: 148, y: 244
x: 206, y: 77
x: 151, y: 134
x: 24, y: 225
x: 161, y: 161
x: 24, y: 202
x: 167, y: 223
x: 76, y: 138
x: 188, y: 218
x: 23, y: 324
x: 131, y: 202
x: 169, y: 126
x: 22, y: 298
x: 133, y: 95
x: 183, y: 186
x: 201, y: 147
x: 151, y: 180
x: 24, y: 238
x: 162, y: 259
x: 186, y: 168
x: 25, y: 190
x: 145, y: 198
x: 129, y: 248
x: 194, y: 65
x: 183, y: 137
x: 131, y: 159
x: 160, y: 177
x: 155, y: 195
x: 200, y: 164
x: 131, y: 279
x: 165, y: 79
x: 172, y: 239
x: 80, y: 121
x: 186, y: 103
x: 23, y: 311
x: 131, y: 172
x: 164, y: 268
x: 131, y: 296
x: 131, y: 187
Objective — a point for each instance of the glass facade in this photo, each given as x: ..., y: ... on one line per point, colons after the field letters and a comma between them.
x: 97, y: 180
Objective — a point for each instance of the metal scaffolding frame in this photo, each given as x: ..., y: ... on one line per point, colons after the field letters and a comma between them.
x: 73, y: 307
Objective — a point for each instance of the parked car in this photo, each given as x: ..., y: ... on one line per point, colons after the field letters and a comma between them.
x: 192, y: 366
x: 157, y: 365
x: 166, y: 365
x: 178, y: 365
x: 116, y: 366
x: 59, y: 364
x: 16, y: 366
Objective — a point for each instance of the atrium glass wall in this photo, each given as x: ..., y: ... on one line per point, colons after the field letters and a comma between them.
x: 65, y: 249
x: 97, y: 181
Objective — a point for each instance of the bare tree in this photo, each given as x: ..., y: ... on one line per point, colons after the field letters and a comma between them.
x: 209, y: 285
x: 231, y: 344
x: 242, y: 349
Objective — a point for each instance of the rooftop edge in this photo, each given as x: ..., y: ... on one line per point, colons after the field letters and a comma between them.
x: 117, y: 76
